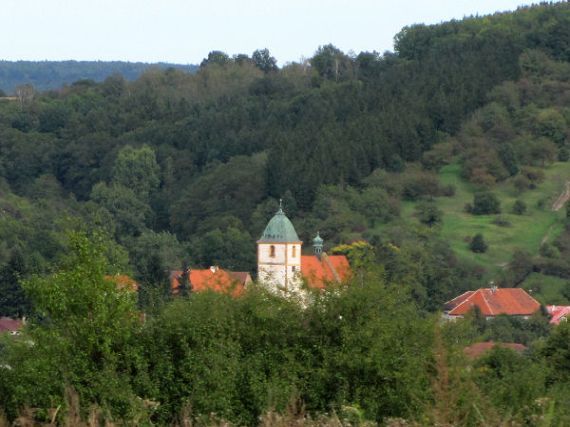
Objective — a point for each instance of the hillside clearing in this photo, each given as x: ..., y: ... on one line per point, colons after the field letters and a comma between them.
x: 528, y: 232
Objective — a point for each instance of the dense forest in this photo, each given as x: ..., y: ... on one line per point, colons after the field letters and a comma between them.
x: 435, y: 168
x: 46, y: 75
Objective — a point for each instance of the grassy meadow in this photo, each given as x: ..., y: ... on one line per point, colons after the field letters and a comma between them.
x: 527, y: 232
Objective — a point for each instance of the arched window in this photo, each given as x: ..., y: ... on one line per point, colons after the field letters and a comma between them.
x: 294, y: 252
x: 272, y: 251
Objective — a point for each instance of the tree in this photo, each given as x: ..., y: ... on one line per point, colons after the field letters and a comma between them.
x: 428, y: 213
x: 13, y: 301
x: 486, y: 203
x: 184, y: 283
x: 557, y: 352
x: 520, y: 266
x: 216, y: 57
x: 129, y: 212
x: 519, y: 207
x: 331, y: 63
x: 264, y: 61
x: 231, y: 248
x: 137, y: 170
x: 84, y: 332
x: 478, y: 244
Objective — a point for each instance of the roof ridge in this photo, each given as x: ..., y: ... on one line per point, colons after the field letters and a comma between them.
x: 326, y: 259
x: 462, y: 302
x: 459, y: 296
x: 486, y: 302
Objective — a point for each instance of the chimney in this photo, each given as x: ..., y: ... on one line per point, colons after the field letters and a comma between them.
x: 493, y: 287
x: 213, y: 268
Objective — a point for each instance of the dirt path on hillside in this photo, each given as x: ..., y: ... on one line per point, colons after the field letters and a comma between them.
x: 562, y: 199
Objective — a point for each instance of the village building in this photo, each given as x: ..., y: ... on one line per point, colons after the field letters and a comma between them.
x: 281, y: 266
x: 493, y: 302
x: 214, y: 279
x: 558, y: 313
x: 10, y: 326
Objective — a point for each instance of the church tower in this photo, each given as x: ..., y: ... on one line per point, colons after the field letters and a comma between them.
x: 279, y: 254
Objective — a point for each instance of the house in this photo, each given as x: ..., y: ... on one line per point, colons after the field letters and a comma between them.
x: 474, y: 351
x: 213, y: 279
x: 10, y: 326
x: 558, y: 313
x: 282, y: 267
x: 492, y: 302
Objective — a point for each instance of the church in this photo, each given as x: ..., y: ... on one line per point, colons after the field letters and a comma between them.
x: 281, y: 265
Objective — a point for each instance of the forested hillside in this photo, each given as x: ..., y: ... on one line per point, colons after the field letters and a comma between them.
x: 45, y: 75
x: 446, y: 161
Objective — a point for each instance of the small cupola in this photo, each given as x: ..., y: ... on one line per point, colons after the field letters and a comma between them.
x: 318, y: 245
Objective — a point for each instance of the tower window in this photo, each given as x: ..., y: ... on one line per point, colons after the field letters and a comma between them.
x: 294, y: 252
x: 272, y: 251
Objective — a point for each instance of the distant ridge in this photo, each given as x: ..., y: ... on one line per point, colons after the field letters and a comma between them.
x: 45, y: 75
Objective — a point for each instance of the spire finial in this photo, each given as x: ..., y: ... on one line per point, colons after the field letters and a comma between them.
x: 280, y: 206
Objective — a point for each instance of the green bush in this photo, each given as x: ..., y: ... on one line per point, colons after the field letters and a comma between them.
x: 478, y: 244
x: 519, y: 207
x: 486, y: 203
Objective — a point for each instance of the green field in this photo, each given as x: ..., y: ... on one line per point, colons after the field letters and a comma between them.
x: 539, y: 224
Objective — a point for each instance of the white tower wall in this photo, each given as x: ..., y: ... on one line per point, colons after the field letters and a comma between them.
x: 279, y: 265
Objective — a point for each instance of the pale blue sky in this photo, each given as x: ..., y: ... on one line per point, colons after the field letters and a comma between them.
x: 184, y: 31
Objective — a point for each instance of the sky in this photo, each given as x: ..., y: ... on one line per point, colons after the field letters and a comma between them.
x: 184, y: 31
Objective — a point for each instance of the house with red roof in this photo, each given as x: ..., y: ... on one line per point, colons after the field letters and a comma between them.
x: 558, y: 313
x: 10, y: 326
x: 493, y: 302
x: 318, y: 270
x: 210, y: 279
x: 281, y: 266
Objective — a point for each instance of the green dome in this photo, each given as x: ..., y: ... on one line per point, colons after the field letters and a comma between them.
x: 318, y: 240
x: 279, y: 230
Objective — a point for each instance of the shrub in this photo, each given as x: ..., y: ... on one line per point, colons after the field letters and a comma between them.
x: 549, y: 251
x: 486, y: 203
x: 428, y: 213
x: 478, y: 244
x: 519, y: 207
x: 502, y: 222
x: 448, y: 191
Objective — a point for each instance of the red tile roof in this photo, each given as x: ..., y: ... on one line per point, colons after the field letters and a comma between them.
x: 478, y: 349
x: 242, y: 277
x: 558, y: 313
x: 213, y: 279
x: 10, y: 325
x: 318, y: 272
x: 492, y: 302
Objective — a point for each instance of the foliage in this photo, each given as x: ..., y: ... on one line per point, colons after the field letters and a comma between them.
x: 519, y: 207
x: 428, y: 213
x: 83, y: 335
x: 478, y: 244
x: 485, y: 204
